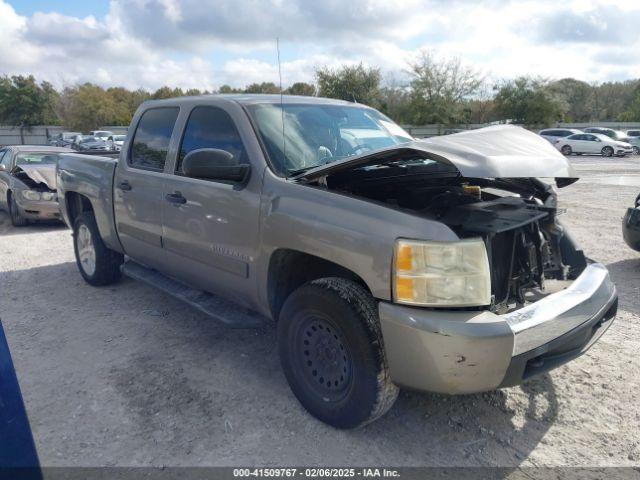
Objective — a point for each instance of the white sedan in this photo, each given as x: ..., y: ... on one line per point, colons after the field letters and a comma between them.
x: 115, y: 142
x: 580, y: 143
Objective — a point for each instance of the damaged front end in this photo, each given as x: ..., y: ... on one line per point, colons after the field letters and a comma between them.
x: 530, y: 252
x: 547, y: 304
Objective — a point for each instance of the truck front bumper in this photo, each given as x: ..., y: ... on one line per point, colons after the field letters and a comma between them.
x: 463, y: 351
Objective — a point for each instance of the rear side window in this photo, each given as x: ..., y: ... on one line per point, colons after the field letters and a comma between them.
x: 151, y: 141
x: 211, y: 127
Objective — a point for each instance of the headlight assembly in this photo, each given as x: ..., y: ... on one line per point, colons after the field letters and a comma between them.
x: 48, y: 196
x: 442, y: 274
x: 31, y: 195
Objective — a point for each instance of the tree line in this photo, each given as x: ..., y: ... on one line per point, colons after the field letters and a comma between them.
x: 435, y: 91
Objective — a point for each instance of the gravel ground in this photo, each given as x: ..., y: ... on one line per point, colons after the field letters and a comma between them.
x: 126, y: 376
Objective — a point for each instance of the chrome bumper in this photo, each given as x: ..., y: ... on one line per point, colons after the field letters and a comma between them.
x: 469, y: 351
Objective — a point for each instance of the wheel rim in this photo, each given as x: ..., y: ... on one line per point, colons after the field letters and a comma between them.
x: 566, y: 150
x: 607, y: 151
x: 323, y: 359
x: 86, y: 250
x: 636, y: 150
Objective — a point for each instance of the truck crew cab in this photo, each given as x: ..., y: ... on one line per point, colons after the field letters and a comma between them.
x: 385, y: 262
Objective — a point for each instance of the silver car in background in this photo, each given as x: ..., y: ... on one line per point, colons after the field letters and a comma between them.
x: 28, y: 183
x: 553, y: 134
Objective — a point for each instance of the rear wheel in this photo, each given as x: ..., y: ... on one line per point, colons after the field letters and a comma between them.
x: 566, y: 150
x: 332, y: 354
x: 98, y: 264
x: 17, y: 220
x: 607, y: 151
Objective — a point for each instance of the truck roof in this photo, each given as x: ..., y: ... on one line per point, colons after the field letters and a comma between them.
x: 246, y: 99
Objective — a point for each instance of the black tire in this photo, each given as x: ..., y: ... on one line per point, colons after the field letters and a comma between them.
x: 607, y: 151
x: 566, y: 150
x: 106, y: 262
x: 17, y: 220
x: 636, y: 150
x: 334, y: 323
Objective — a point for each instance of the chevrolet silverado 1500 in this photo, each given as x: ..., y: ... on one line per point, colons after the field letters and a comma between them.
x: 385, y: 262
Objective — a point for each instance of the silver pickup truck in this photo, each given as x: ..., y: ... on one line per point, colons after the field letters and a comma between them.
x: 385, y: 262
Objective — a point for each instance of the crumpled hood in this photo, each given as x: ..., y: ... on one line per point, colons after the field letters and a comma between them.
x: 502, y: 151
x: 41, y: 174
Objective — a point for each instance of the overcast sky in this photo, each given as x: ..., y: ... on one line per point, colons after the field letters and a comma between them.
x: 207, y: 43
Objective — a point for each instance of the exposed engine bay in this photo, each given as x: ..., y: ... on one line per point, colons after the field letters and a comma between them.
x: 517, y: 218
x: 33, y: 179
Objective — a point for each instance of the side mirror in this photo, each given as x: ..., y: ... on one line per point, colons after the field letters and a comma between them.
x: 214, y: 164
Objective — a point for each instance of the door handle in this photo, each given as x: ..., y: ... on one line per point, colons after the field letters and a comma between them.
x: 175, y: 197
x: 125, y: 186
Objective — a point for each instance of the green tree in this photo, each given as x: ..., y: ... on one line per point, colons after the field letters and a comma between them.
x: 229, y: 89
x: 632, y: 113
x: 301, y: 88
x: 577, y: 98
x: 167, y: 92
x: 527, y: 101
x: 440, y: 87
x: 352, y: 83
x: 88, y: 107
x: 264, y: 87
x: 25, y: 103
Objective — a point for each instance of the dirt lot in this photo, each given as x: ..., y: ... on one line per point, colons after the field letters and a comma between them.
x: 127, y: 376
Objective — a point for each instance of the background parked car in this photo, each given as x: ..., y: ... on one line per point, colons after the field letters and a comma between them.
x: 634, y: 139
x: 631, y: 226
x: 115, y: 142
x: 89, y: 143
x: 580, y: 143
x: 553, y: 134
x: 609, y: 132
x: 63, y: 139
x: 28, y: 188
x: 101, y: 134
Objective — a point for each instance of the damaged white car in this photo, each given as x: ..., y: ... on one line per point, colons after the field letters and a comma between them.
x: 28, y: 183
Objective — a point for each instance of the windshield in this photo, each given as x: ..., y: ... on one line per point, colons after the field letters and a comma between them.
x: 89, y: 139
x: 36, y: 159
x: 119, y: 138
x: 319, y: 134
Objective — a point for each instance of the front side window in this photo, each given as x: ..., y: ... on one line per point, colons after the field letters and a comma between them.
x: 152, y: 137
x: 211, y: 127
x: 302, y: 136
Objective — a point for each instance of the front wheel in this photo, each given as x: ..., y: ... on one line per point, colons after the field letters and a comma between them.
x: 17, y: 220
x: 98, y: 264
x: 566, y: 150
x: 636, y: 150
x: 607, y: 151
x: 332, y: 353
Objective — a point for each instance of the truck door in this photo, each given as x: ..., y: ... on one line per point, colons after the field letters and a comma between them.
x: 210, y: 228
x: 138, y: 186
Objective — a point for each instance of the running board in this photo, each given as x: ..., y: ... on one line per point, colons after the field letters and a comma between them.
x: 222, y: 310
